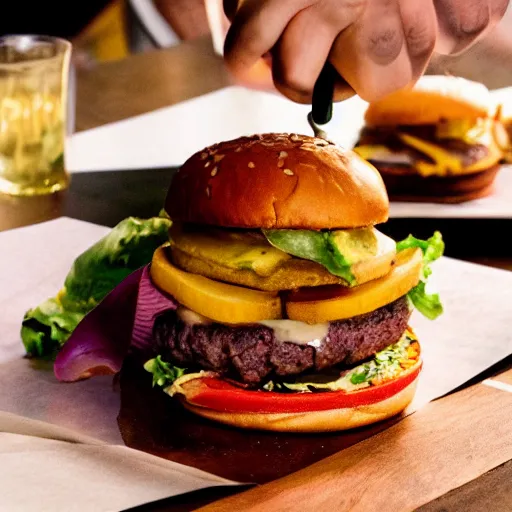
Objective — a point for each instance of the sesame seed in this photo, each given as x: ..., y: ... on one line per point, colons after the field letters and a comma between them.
x: 218, y: 158
x: 204, y: 156
x: 295, y: 138
x: 238, y: 149
x: 214, y: 171
x: 207, y: 164
x: 321, y: 142
x: 288, y: 172
x: 283, y: 154
x: 251, y: 165
x: 208, y: 191
x: 280, y: 163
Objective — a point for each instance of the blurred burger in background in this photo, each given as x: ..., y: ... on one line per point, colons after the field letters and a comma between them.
x: 439, y: 141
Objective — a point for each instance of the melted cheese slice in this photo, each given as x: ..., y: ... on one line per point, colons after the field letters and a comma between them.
x: 484, y: 132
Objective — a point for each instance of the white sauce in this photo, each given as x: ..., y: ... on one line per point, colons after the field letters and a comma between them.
x: 293, y: 331
x: 297, y: 332
x: 191, y: 317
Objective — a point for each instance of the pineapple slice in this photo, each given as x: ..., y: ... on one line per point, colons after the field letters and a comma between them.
x: 364, y: 298
x: 218, y: 301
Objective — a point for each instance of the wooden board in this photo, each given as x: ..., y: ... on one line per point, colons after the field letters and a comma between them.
x: 146, y: 82
x: 441, y: 447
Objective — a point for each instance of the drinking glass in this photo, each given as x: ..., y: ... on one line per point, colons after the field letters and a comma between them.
x: 34, y: 114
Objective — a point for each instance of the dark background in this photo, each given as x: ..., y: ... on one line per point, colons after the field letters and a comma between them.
x: 62, y: 19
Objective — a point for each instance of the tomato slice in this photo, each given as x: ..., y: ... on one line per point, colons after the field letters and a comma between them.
x: 220, y: 395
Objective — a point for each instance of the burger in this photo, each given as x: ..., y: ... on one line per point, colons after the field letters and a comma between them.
x: 289, y: 310
x: 503, y: 102
x: 438, y: 141
x: 275, y: 303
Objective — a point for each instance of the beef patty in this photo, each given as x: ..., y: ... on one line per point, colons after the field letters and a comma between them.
x: 252, y: 354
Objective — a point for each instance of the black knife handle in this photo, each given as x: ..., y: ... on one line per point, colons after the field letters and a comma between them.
x: 323, y: 92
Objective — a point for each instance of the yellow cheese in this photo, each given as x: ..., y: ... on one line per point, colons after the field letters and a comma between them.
x: 445, y: 163
x: 371, y: 151
x: 484, y: 131
x: 230, y: 249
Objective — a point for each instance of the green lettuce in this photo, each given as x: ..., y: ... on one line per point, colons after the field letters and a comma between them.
x: 46, y: 328
x: 337, y: 255
x: 164, y: 374
x: 385, y: 364
x: 318, y: 246
x: 427, y: 304
x: 95, y: 273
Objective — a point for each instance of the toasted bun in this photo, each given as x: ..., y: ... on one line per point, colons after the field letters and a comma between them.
x: 412, y: 187
x: 317, y: 421
x: 278, y: 181
x: 432, y: 99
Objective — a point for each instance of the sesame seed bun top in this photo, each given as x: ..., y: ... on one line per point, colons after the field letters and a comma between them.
x: 278, y: 181
x: 431, y: 100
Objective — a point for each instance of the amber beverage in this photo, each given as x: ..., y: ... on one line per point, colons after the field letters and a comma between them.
x: 34, y: 81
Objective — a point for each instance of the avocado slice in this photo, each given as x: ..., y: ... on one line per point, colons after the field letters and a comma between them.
x: 335, y: 250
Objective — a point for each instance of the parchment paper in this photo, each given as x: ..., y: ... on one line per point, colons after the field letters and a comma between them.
x: 60, y: 449
x: 473, y: 334
x: 45, y: 468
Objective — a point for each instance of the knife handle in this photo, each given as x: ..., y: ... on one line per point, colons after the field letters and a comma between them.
x: 323, y: 92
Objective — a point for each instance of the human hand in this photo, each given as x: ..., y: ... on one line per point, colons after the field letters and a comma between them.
x: 376, y: 46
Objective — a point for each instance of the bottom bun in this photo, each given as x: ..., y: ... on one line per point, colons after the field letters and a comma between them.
x: 404, y: 185
x: 316, y: 421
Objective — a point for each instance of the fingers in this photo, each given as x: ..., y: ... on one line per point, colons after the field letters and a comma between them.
x: 461, y: 23
x: 371, y: 54
x: 342, y: 91
x: 377, y: 46
x: 300, y: 55
x: 420, y: 31
x: 256, y: 28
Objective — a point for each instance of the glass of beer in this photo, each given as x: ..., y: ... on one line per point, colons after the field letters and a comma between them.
x: 34, y: 82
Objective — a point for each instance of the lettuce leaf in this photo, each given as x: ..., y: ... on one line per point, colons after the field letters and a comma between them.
x: 164, y: 374
x: 318, y: 246
x: 428, y: 304
x: 47, y: 327
x: 386, y: 364
x: 94, y: 273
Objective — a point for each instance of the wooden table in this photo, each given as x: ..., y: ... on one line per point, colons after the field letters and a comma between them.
x: 435, y: 469
x: 146, y: 82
